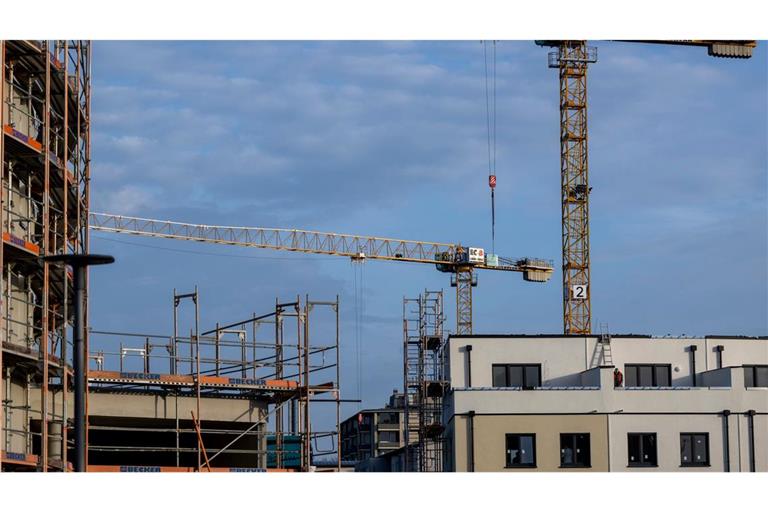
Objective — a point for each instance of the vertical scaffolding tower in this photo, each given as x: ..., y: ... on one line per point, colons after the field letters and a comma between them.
x: 44, y: 155
x: 423, y: 381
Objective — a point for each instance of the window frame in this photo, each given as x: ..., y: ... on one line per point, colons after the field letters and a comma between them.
x: 752, y: 369
x: 641, y: 464
x: 523, y: 367
x: 386, y: 433
x: 388, y: 418
x: 507, y: 463
x: 654, y: 367
x: 693, y: 463
x: 574, y: 436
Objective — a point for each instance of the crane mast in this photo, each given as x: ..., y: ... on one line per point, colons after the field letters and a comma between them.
x: 460, y: 261
x: 571, y: 59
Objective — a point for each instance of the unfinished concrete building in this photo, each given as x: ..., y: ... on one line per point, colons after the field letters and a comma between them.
x: 45, y: 154
x: 237, y: 397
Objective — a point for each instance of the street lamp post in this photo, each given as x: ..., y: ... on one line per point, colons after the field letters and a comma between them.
x: 79, y: 264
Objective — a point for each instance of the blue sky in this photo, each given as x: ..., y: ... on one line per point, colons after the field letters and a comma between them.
x: 388, y: 139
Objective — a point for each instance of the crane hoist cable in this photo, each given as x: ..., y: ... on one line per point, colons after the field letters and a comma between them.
x: 490, y: 121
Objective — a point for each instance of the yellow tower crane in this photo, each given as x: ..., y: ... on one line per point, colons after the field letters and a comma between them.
x: 458, y: 260
x: 571, y: 58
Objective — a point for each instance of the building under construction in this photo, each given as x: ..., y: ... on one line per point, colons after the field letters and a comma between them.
x: 45, y: 152
x: 237, y: 397
x: 240, y: 396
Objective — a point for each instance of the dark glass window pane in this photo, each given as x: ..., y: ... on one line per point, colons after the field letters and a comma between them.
x: 574, y: 450
x: 521, y: 450
x: 582, y: 455
x: 761, y: 376
x: 662, y: 375
x: 700, y: 449
x: 649, y: 449
x: 532, y: 376
x: 645, y: 376
x: 526, y: 449
x: 749, y: 376
x: 515, y: 376
x: 499, y: 376
x: 567, y: 449
x: 686, y: 450
x: 641, y: 449
x: 630, y: 377
x: 389, y: 437
x: 513, y: 450
x: 633, y: 448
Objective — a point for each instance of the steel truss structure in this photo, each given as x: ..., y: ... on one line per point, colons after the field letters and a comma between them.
x: 267, y: 360
x: 450, y: 258
x: 44, y: 155
x: 571, y: 59
x: 423, y: 382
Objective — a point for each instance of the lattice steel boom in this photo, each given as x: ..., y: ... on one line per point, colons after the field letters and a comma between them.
x: 452, y: 258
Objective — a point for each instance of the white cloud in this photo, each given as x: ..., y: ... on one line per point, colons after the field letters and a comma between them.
x: 127, y: 200
x: 130, y: 143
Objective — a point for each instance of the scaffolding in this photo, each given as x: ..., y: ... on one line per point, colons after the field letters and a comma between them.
x: 44, y: 156
x: 268, y: 362
x: 423, y: 381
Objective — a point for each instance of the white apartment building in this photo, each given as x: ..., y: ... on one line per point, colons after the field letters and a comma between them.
x: 613, y: 403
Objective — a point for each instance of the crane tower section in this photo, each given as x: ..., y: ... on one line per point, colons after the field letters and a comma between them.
x: 571, y: 59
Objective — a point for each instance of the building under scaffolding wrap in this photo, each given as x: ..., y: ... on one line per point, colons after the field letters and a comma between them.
x: 423, y: 381
x: 45, y: 155
x: 238, y: 397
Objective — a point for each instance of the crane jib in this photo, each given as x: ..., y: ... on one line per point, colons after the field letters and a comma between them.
x: 447, y: 257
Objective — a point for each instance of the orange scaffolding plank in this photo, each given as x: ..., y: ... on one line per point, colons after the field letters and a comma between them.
x: 21, y: 244
x: 10, y: 130
x: 172, y: 469
x: 25, y: 459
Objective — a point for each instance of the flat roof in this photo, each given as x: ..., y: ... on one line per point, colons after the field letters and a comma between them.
x: 629, y: 335
x: 546, y: 335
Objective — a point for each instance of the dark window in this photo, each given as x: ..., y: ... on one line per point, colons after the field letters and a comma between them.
x: 389, y: 418
x: 756, y: 376
x: 647, y: 375
x: 499, y: 376
x: 521, y: 450
x: 532, y: 376
x: 574, y: 451
x: 630, y: 376
x: 694, y: 449
x: 389, y: 436
x: 662, y: 375
x: 641, y: 449
x: 516, y: 375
